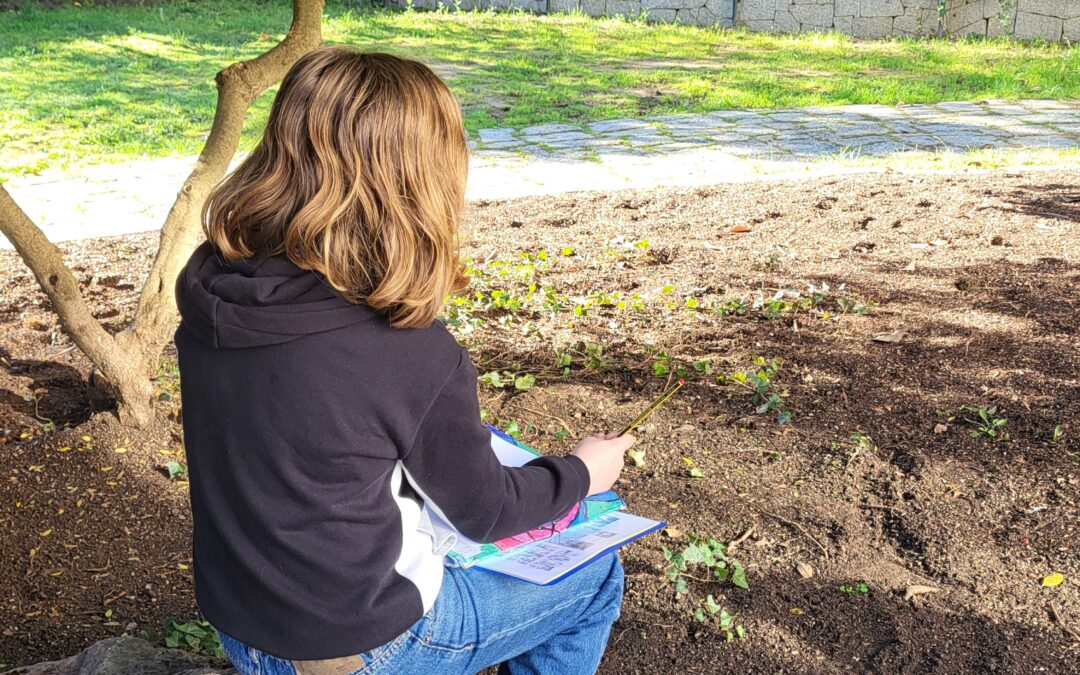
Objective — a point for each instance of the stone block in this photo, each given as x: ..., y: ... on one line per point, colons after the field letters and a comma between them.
x: 1060, y: 9
x: 872, y: 27
x: 976, y: 28
x: 627, y: 8
x: 876, y: 8
x: 963, y: 16
x: 813, y: 16
x: 761, y: 26
x: 785, y: 22
x: 907, y: 24
x: 846, y: 7
x: 757, y: 10
x: 844, y: 24
x: 593, y: 7
x: 1030, y: 26
x: 563, y: 5
x: 1071, y: 30
x: 664, y: 15
x: 721, y: 9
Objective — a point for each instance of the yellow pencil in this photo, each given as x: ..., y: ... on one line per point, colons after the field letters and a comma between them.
x: 652, y: 408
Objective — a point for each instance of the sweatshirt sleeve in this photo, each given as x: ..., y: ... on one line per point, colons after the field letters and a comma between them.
x: 452, y: 465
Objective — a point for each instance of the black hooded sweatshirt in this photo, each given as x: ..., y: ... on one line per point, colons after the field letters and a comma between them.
x: 314, y: 434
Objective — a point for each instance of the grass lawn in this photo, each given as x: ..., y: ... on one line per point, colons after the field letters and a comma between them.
x: 103, y: 84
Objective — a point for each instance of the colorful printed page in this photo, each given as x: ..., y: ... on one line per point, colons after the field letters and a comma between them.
x: 514, y: 453
x: 545, y: 562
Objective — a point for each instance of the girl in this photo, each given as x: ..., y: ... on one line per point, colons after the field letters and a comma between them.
x: 324, y: 405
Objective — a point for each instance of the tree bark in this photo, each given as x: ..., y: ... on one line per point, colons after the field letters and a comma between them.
x: 238, y: 86
x: 127, y: 360
x: 111, y: 356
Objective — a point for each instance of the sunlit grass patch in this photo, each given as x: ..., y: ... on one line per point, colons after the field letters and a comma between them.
x: 108, y: 83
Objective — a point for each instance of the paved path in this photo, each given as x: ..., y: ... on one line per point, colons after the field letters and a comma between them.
x: 672, y: 150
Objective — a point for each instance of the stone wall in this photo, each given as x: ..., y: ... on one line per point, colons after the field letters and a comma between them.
x: 864, y: 18
x: 1046, y: 19
x: 697, y: 12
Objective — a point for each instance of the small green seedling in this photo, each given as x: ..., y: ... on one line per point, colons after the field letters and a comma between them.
x: 764, y: 393
x: 860, y: 587
x: 1059, y: 433
x: 986, y: 422
x: 725, y: 621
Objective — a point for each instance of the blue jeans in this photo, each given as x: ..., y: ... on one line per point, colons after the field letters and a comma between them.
x: 481, y: 619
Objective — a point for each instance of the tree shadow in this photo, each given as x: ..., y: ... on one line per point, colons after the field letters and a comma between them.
x: 829, y: 631
x: 1057, y: 200
x: 59, y: 394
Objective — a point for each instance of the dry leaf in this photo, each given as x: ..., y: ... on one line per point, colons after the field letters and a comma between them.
x: 1052, y: 580
x: 895, y: 336
x: 910, y: 267
x: 739, y: 229
x: 806, y: 570
x: 940, y: 428
x: 796, y: 611
x: 672, y: 532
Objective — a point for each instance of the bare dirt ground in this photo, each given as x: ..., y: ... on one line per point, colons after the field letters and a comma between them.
x: 879, y: 478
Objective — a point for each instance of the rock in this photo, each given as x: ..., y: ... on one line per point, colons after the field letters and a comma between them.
x: 1030, y: 26
x: 126, y: 656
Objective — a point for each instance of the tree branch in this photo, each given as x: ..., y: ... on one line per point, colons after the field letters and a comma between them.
x: 238, y: 86
x: 47, y: 263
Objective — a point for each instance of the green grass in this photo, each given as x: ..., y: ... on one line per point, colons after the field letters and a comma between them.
x: 103, y: 84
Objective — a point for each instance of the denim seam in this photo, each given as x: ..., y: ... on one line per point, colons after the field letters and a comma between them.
x: 517, y: 627
x: 393, y: 649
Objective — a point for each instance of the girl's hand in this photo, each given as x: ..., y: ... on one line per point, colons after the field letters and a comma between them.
x: 603, y: 456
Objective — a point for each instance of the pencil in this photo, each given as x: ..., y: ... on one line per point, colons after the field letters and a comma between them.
x: 652, y: 408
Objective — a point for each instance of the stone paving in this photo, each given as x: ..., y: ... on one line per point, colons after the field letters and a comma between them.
x: 664, y: 151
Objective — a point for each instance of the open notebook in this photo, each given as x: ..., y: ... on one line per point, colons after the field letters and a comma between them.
x: 592, y: 528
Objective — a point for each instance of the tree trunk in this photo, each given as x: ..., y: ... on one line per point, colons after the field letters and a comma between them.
x: 127, y: 360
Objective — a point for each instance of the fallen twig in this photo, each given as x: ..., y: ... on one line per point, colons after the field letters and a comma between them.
x: 917, y: 589
x: 802, y: 529
x: 741, y: 538
x: 558, y: 419
x: 1061, y: 622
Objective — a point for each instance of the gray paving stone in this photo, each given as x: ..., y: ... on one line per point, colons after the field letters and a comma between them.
x: 882, y: 147
x: 920, y: 142
x: 735, y: 115
x: 1043, y: 142
x: 959, y: 106
x: 617, y: 125
x: 640, y: 139
x: 501, y: 145
x: 562, y: 137
x: 546, y: 129
x: 969, y: 140
x: 857, y: 130
x: 496, y: 135
x: 806, y: 146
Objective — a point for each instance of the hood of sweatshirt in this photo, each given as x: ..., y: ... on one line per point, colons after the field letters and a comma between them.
x: 255, y: 303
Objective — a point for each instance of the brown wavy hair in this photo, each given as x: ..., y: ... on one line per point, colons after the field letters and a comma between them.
x: 359, y: 176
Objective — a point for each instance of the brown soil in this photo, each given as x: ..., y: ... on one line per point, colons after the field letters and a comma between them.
x: 96, y: 539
